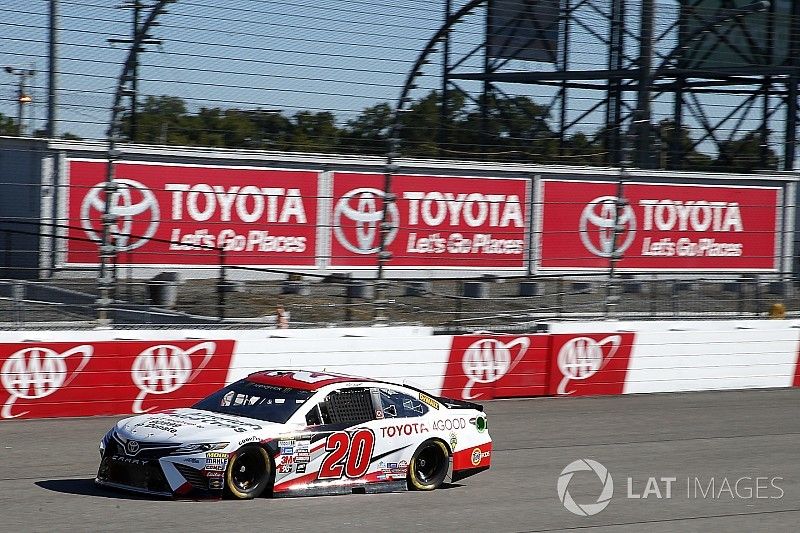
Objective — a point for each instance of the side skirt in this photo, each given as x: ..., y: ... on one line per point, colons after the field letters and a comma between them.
x: 458, y: 475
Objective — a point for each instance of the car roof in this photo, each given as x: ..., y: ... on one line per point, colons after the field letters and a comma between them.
x: 302, y: 379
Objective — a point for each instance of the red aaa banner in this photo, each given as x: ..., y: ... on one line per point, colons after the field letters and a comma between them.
x: 659, y: 226
x: 189, y: 214
x: 482, y: 367
x: 589, y: 364
x: 108, y: 377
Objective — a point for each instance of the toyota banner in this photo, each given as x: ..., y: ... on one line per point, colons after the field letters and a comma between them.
x: 186, y: 214
x: 436, y: 221
x: 659, y: 226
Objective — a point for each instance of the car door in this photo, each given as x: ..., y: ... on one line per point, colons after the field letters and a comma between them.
x: 401, y: 425
x: 344, y: 421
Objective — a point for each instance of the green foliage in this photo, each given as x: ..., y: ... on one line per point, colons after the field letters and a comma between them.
x: 8, y: 126
x: 512, y: 129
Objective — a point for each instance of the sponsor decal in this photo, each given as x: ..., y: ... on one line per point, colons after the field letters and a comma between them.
x: 191, y: 460
x: 424, y: 398
x: 285, y: 468
x: 453, y: 441
x: 300, y: 468
x: 216, y: 455
x: 477, y: 456
x: 449, y: 424
x: 216, y: 465
x: 287, y: 451
x: 258, y: 216
x: 215, y: 483
x: 496, y: 366
x: 35, y: 372
x: 302, y: 458
x: 286, y: 443
x: 397, y: 430
x: 659, y: 226
x: 590, y: 364
x: 434, y: 221
x: 248, y: 439
x: 214, y: 419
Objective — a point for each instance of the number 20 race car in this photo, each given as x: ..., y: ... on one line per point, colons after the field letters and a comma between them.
x: 295, y: 433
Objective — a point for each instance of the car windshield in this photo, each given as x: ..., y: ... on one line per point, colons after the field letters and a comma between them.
x: 255, y: 400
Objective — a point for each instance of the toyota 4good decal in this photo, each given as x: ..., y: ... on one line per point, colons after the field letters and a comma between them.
x: 589, y: 364
x: 184, y: 215
x: 482, y: 367
x: 659, y: 226
x: 435, y: 221
x: 108, y: 377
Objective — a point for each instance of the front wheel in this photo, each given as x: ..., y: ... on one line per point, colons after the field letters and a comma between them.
x: 428, y: 466
x: 248, y: 473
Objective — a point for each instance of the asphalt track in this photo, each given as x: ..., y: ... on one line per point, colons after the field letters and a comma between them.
x: 47, y: 467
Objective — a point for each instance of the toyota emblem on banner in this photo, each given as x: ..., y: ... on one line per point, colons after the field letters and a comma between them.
x: 597, y: 226
x: 135, y: 208
x: 357, y: 219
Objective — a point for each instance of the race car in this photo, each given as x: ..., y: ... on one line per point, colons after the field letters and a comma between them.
x: 292, y: 432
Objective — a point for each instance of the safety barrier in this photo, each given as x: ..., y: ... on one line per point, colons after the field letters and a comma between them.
x: 108, y: 372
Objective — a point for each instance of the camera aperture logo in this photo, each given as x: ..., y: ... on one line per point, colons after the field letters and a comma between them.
x: 746, y: 488
x: 585, y: 509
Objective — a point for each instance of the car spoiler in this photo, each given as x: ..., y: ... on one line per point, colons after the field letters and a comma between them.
x: 459, y: 404
x: 449, y: 402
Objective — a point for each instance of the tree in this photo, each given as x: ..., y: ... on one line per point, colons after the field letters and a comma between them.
x: 8, y: 126
x: 368, y: 132
x: 745, y: 155
x: 313, y: 132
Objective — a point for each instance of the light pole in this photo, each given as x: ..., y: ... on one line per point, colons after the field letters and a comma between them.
x: 23, y: 97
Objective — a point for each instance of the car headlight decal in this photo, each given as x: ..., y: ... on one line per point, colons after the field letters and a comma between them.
x: 199, y: 448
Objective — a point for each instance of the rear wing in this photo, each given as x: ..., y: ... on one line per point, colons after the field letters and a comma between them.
x: 459, y: 404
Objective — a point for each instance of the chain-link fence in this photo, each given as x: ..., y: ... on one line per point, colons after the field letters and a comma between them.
x: 488, y: 302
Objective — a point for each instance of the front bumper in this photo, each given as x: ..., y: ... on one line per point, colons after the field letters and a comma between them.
x: 155, y: 472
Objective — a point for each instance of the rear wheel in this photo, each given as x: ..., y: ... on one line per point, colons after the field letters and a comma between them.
x: 249, y: 472
x: 428, y: 466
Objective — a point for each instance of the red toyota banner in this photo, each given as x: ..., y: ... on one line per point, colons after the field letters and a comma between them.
x: 659, y: 227
x: 184, y: 214
x: 436, y: 221
x: 482, y: 367
x: 56, y: 379
x: 589, y: 364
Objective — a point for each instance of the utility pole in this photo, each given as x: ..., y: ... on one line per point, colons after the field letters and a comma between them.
x: 136, y: 6
x: 23, y: 97
x: 52, y: 76
x: 642, y: 116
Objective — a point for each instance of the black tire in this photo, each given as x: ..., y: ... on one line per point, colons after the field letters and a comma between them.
x: 249, y: 472
x: 428, y: 466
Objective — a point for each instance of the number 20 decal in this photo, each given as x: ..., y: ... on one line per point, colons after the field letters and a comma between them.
x: 349, y: 454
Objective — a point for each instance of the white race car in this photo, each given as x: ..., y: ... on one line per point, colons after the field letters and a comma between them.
x: 295, y: 433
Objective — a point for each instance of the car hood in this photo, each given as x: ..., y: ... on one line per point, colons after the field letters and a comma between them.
x: 193, y: 426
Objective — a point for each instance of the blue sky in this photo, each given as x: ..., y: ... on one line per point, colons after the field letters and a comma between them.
x: 336, y: 55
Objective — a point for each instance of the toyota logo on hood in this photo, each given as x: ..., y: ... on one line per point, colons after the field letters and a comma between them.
x: 132, y: 447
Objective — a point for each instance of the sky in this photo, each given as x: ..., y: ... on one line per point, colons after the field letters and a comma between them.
x: 293, y: 55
